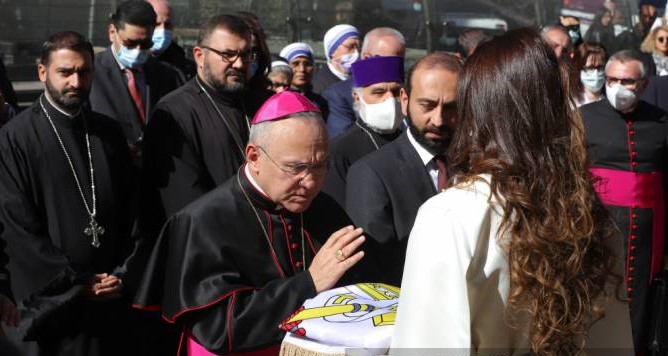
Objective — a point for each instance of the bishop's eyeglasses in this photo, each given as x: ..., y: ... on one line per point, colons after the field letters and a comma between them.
x: 300, y: 170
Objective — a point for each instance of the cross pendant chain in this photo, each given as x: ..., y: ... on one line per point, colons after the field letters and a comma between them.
x: 94, y: 230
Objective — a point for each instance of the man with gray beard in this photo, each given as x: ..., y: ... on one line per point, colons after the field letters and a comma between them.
x: 196, y: 137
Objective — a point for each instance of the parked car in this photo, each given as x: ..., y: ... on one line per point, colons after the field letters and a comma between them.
x: 454, y: 23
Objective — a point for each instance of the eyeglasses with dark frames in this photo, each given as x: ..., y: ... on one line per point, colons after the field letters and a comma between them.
x: 232, y: 56
x: 131, y: 44
x: 622, y: 81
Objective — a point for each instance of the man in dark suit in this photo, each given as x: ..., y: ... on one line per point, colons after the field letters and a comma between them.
x: 127, y: 81
x: 385, y: 189
x: 656, y: 92
x: 381, y: 41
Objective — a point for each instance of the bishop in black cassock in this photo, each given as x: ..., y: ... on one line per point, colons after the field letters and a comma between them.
x: 228, y: 268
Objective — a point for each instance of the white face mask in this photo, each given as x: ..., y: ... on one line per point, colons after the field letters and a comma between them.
x: 383, y: 117
x: 620, y: 97
x: 347, y: 61
x: 162, y: 38
x: 592, y: 79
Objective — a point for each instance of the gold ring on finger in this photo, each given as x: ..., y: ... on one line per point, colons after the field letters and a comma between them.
x: 340, y: 255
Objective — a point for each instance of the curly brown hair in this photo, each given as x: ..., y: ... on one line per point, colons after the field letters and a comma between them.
x: 519, y: 125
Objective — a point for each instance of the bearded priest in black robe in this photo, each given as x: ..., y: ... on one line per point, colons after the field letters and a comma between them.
x: 228, y: 268
x: 65, y: 183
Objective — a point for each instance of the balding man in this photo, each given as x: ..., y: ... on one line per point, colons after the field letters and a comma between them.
x: 381, y: 41
x: 385, y: 188
x: 247, y: 254
x: 164, y: 49
x: 558, y: 39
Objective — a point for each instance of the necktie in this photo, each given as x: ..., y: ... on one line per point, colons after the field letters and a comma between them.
x: 134, y: 93
x: 442, y: 179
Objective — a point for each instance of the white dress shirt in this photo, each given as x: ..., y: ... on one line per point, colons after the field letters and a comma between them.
x: 426, y: 157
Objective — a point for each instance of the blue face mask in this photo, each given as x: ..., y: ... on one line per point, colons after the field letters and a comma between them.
x: 132, y: 58
x: 162, y: 38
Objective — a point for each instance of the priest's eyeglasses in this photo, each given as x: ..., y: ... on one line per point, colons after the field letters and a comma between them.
x: 627, y: 82
x: 300, y: 170
x: 229, y: 56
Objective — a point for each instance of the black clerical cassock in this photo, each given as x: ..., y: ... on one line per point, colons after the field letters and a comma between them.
x: 194, y: 142
x: 230, y: 267
x: 628, y: 154
x: 51, y: 258
x: 358, y: 141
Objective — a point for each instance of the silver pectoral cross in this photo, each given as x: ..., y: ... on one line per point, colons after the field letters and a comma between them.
x: 94, y: 230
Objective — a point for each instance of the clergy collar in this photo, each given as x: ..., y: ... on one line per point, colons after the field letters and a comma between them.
x: 58, y: 114
x: 256, y: 194
x: 229, y: 99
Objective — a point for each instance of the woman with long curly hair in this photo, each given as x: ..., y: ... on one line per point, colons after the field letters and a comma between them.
x: 518, y: 255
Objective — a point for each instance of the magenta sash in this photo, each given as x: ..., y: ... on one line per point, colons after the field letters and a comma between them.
x: 636, y: 190
x: 195, y: 349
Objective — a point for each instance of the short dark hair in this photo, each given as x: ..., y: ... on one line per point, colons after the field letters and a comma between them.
x: 436, y: 60
x: 65, y: 40
x: 134, y: 12
x: 232, y: 24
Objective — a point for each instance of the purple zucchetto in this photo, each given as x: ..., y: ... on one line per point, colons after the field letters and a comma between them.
x: 282, y: 105
x: 378, y: 70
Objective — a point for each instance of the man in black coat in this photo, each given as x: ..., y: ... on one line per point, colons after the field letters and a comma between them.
x: 66, y: 184
x: 385, y: 189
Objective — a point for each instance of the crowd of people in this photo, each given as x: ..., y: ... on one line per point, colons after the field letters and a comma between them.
x: 515, y: 190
